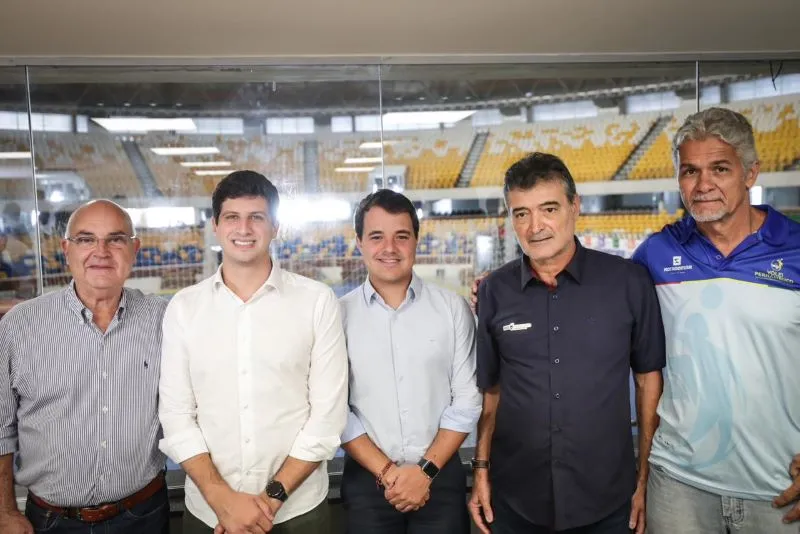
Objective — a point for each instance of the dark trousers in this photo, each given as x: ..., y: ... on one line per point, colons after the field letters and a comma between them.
x: 507, y: 521
x: 151, y: 516
x: 315, y: 521
x: 368, y: 512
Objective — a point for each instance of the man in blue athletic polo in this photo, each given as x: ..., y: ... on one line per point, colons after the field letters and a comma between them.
x: 724, y: 458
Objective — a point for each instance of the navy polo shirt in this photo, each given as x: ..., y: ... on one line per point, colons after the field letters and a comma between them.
x: 562, y: 449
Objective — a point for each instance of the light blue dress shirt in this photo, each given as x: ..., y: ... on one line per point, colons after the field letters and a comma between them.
x: 412, y: 370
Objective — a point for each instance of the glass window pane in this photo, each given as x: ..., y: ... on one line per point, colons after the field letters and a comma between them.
x: 768, y: 95
x: 20, y: 214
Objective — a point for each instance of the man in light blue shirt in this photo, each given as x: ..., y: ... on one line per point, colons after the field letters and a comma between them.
x: 724, y: 458
x: 413, y: 391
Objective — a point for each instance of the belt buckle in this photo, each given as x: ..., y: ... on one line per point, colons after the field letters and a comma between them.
x: 73, y: 513
x: 82, y: 514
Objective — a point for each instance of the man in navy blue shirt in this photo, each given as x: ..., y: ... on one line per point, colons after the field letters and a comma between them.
x: 559, y: 331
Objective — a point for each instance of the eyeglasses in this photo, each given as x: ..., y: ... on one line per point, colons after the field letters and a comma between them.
x: 87, y: 242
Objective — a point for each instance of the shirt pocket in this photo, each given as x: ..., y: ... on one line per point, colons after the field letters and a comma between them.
x: 520, y: 340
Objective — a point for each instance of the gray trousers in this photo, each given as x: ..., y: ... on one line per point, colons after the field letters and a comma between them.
x: 674, y: 507
x: 315, y: 521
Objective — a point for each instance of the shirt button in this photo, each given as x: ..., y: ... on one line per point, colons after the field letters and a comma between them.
x: 105, y: 375
x: 557, y: 395
x: 105, y: 409
x: 556, y: 361
x: 719, y: 257
x: 244, y: 407
x: 555, y: 297
x: 247, y: 440
x: 555, y: 329
x: 103, y: 444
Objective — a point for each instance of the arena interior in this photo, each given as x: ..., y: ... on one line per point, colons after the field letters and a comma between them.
x: 158, y: 138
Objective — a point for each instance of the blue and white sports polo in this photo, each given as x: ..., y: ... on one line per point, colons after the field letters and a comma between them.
x: 730, y: 413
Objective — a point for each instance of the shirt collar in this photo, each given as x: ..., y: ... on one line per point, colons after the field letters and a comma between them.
x: 774, y: 231
x: 274, y: 280
x: 574, y: 268
x: 77, y: 306
x: 413, y: 292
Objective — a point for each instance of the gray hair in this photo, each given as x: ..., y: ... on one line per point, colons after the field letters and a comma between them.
x: 726, y: 125
x: 122, y: 211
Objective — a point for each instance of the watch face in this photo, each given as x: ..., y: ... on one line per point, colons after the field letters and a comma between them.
x: 276, y: 490
x: 429, y: 468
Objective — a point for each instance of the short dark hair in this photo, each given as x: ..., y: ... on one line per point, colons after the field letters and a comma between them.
x: 390, y: 201
x: 536, y: 168
x: 245, y: 184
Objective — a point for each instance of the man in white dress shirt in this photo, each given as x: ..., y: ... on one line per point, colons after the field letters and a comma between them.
x: 253, y: 392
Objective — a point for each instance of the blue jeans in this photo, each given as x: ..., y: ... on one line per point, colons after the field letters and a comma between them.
x: 150, y: 517
x: 673, y: 506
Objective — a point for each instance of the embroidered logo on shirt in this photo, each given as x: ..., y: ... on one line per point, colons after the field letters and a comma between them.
x: 775, y: 273
x: 514, y: 327
x: 677, y: 265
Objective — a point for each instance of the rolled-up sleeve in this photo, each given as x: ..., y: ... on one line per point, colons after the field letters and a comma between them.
x: 465, y: 408
x: 177, y: 407
x: 327, y: 386
x: 354, y: 427
x: 9, y: 399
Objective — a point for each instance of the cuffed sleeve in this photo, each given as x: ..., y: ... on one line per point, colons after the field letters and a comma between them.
x: 327, y: 386
x: 177, y: 408
x: 353, y: 429
x: 465, y: 408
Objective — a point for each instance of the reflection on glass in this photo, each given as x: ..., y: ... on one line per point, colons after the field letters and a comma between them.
x: 18, y: 215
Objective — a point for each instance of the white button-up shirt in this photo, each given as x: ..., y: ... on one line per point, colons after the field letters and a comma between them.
x: 254, y: 382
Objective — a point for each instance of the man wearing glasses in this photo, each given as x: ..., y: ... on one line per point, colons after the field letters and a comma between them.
x: 79, y: 373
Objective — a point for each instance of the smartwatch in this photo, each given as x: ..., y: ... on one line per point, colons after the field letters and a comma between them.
x: 275, y: 490
x: 429, y: 468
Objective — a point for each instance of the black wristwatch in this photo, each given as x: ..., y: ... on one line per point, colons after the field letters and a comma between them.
x: 275, y: 490
x: 479, y: 464
x: 429, y: 468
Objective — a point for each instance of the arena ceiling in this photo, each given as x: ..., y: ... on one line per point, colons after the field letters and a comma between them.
x: 271, y: 57
x: 321, y: 90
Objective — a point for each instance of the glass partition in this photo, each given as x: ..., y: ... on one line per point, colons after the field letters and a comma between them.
x: 768, y: 94
x: 20, y: 214
x: 157, y: 140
